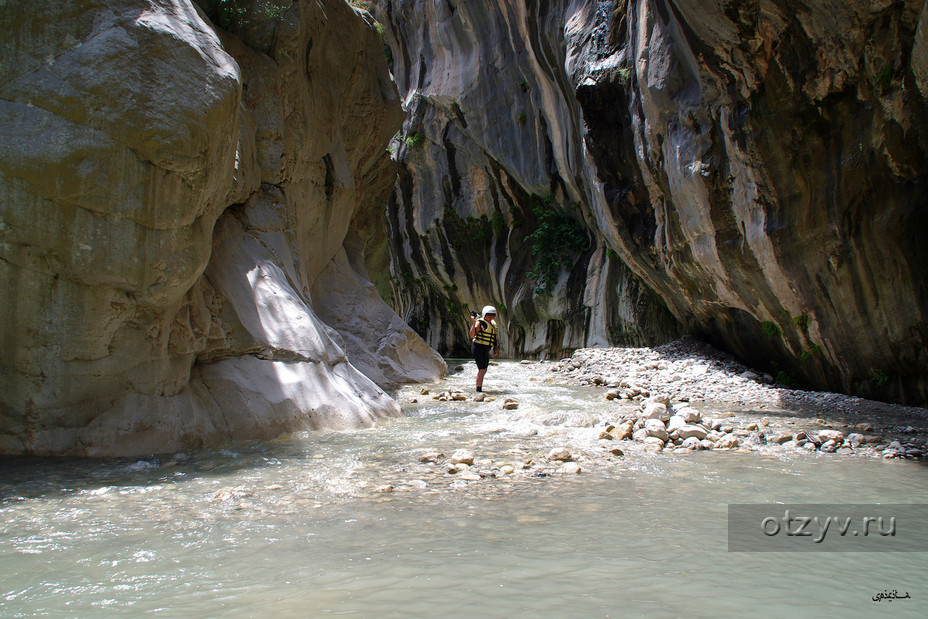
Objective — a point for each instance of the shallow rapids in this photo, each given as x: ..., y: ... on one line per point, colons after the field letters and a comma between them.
x: 353, y: 523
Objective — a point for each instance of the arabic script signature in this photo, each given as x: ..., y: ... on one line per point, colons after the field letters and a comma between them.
x: 890, y: 596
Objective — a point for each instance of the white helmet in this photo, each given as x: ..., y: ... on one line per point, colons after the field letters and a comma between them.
x: 488, y: 309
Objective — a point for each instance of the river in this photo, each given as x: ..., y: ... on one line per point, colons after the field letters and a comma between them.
x: 352, y: 523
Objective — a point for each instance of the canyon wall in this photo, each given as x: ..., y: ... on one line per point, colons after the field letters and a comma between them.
x: 185, y: 195
x: 614, y: 172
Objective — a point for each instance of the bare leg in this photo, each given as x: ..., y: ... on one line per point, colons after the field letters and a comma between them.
x: 480, y: 374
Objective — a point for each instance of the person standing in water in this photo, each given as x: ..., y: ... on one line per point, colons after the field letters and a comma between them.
x: 483, y: 333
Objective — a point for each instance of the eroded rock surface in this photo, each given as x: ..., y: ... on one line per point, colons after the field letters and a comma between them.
x: 752, y: 172
x: 169, y: 194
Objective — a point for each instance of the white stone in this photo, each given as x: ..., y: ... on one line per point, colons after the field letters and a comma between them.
x: 560, y: 454
x: 462, y: 456
x: 656, y: 410
x: 655, y: 427
x: 692, y: 430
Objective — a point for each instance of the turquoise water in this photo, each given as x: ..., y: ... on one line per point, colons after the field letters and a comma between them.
x: 303, y: 526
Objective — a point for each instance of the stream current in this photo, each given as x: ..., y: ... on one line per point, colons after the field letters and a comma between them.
x: 352, y: 523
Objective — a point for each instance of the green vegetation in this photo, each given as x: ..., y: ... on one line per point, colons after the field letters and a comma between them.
x: 415, y: 139
x: 498, y: 224
x: 786, y: 379
x: 521, y: 118
x: 814, y: 349
x: 612, y: 254
x: 555, y: 240
x: 771, y: 329
x: 469, y: 234
x: 878, y: 377
x: 364, y: 5
x: 885, y: 78
x: 802, y: 322
x: 236, y: 14
x: 625, y: 75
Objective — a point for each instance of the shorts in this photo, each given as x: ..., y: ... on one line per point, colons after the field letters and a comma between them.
x: 481, y: 354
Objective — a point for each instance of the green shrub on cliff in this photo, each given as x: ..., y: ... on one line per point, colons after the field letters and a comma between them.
x: 234, y: 14
x: 555, y: 241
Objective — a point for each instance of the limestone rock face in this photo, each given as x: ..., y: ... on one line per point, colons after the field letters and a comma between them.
x: 169, y: 194
x: 752, y: 172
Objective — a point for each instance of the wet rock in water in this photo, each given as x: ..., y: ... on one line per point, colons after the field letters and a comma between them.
x: 779, y: 438
x: 615, y: 451
x: 640, y: 434
x: 384, y: 488
x: 560, y: 454
x: 431, y: 456
x: 510, y: 404
x: 845, y: 451
x: 706, y: 444
x: 830, y: 435
x: 692, y: 431
x: 507, y: 469
x: 606, y: 435
x: 656, y: 410
x: 728, y: 441
x: 689, y: 414
x: 623, y: 431
x: 652, y: 443
x: 570, y: 468
x: 420, y: 484
x: 613, y: 394
x: 854, y: 440
x: 480, y: 397
x: 452, y: 469
x: 424, y: 391
x: 462, y: 456
x: 691, y: 443
x: 655, y: 428
x: 829, y: 446
x: 470, y: 477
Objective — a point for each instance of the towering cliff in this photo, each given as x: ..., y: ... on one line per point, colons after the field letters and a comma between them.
x: 753, y: 172
x: 185, y: 196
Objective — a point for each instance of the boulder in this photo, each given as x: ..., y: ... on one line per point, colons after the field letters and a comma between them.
x: 691, y: 431
x: 656, y: 410
x: 462, y: 456
x: 655, y: 427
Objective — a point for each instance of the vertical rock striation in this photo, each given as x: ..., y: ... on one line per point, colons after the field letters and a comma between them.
x: 754, y: 172
x: 170, y: 192
x: 495, y: 184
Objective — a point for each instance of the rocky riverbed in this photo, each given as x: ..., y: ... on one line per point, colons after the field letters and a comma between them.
x: 695, y: 397
x: 681, y: 397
